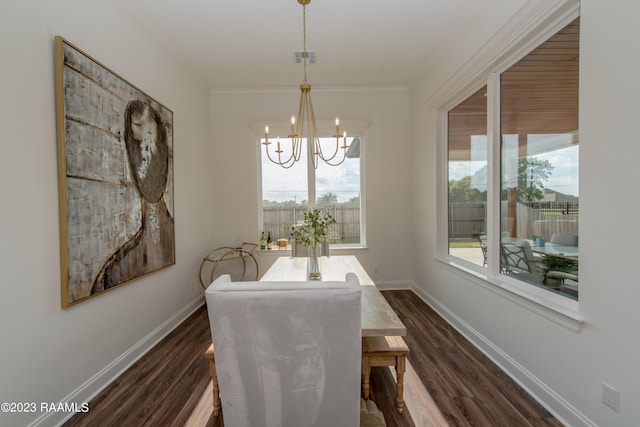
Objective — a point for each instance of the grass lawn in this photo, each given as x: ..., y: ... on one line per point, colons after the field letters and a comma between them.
x: 464, y: 243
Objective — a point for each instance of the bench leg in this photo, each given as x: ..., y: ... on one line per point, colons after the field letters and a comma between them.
x: 366, y: 372
x: 214, y: 379
x: 216, y: 396
x: 400, y: 368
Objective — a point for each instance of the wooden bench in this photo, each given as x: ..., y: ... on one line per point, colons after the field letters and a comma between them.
x: 385, y: 351
x: 209, y: 355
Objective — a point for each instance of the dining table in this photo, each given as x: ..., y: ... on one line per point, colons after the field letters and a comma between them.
x: 554, y: 249
x: 377, y: 316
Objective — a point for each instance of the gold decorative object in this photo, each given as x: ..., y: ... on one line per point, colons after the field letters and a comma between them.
x: 228, y: 253
x: 305, y: 127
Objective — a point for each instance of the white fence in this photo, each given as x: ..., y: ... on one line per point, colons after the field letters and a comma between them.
x: 468, y: 220
x: 345, y: 230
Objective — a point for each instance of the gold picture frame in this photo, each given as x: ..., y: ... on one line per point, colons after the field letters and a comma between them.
x: 115, y: 178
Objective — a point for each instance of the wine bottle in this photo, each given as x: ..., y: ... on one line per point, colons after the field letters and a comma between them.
x: 263, y: 242
x: 269, y: 241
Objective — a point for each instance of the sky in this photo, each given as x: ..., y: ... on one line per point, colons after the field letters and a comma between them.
x: 291, y: 184
x: 563, y: 178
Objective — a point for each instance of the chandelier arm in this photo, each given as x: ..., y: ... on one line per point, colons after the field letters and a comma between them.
x: 314, y: 140
x: 280, y: 162
x: 328, y: 161
x: 296, y: 149
x: 335, y: 153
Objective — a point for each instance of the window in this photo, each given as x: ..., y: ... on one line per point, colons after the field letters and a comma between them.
x: 288, y: 193
x: 534, y: 224
x: 467, y: 156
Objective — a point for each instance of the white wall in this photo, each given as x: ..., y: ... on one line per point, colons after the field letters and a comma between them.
x: 387, y: 186
x: 564, y: 369
x: 49, y: 354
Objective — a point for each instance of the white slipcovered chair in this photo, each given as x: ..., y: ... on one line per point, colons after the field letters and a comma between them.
x: 287, y: 353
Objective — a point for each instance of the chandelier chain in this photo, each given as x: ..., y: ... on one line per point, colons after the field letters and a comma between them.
x: 304, y: 38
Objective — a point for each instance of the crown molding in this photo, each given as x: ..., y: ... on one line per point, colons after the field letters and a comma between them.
x: 535, y: 22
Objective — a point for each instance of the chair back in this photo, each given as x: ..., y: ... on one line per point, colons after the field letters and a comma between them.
x: 564, y: 239
x: 515, y: 258
x: 287, y: 353
x: 482, y: 239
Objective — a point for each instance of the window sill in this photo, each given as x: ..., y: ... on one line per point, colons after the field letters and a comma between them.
x: 556, y: 308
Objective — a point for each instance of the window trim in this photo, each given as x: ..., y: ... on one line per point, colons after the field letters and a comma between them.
x: 532, y: 25
x: 325, y: 127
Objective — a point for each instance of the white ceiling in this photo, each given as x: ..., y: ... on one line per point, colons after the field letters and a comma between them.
x: 250, y: 43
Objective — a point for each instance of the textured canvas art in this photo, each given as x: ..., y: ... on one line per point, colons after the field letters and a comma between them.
x: 115, y: 166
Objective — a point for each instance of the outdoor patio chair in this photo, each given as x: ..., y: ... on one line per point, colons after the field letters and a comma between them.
x: 518, y: 258
x: 482, y: 238
x: 564, y: 239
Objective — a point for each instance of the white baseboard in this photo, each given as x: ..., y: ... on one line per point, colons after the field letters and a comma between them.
x: 394, y: 285
x: 547, y: 397
x: 109, y: 373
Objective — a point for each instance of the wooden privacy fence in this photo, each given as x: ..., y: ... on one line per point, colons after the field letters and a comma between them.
x: 468, y: 220
x: 345, y: 230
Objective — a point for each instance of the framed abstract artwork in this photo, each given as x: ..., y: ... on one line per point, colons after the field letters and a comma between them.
x: 115, y: 178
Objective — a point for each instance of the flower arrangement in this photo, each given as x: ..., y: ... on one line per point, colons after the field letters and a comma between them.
x: 314, y: 228
x: 312, y: 231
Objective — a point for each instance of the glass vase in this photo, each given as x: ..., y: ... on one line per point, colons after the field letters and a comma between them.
x: 313, y: 266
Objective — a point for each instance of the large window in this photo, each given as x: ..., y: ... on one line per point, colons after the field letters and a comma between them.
x: 288, y: 193
x: 535, y: 193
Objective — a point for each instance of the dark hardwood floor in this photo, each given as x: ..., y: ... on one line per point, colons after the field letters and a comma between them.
x: 165, y: 386
x: 468, y: 388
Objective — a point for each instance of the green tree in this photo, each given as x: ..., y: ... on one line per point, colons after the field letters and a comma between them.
x: 327, y: 199
x: 532, y: 175
x: 353, y: 202
x: 462, y: 191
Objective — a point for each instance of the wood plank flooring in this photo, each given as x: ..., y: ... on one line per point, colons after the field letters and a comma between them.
x: 448, y: 381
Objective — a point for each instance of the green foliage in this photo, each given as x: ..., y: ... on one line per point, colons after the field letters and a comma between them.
x: 328, y: 199
x: 558, y: 263
x: 461, y: 191
x: 354, y: 201
x: 285, y: 204
x: 532, y: 174
x: 314, y: 228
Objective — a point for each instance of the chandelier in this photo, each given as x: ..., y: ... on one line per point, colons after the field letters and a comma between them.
x: 305, y: 128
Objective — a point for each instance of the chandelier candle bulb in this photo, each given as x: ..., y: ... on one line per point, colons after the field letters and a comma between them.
x: 337, y: 126
x: 278, y: 150
x: 266, y: 135
x: 293, y: 123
